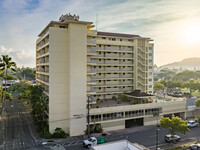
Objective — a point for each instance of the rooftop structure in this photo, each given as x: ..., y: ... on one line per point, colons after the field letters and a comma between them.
x: 119, y: 145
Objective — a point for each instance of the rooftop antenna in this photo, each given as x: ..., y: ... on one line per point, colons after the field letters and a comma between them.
x: 96, y: 20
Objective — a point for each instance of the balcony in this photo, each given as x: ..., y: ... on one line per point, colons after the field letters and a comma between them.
x: 91, y: 62
x: 91, y: 51
x: 91, y: 41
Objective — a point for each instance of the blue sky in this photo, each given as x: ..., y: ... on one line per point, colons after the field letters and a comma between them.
x: 173, y: 24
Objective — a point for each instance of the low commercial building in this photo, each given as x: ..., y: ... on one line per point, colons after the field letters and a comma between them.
x: 119, y: 145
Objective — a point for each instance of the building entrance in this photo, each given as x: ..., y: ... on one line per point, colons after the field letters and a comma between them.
x: 134, y: 122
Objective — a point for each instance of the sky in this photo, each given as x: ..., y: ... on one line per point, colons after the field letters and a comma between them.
x: 174, y: 25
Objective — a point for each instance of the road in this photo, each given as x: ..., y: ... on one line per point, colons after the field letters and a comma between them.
x: 146, y: 137
x: 18, y: 131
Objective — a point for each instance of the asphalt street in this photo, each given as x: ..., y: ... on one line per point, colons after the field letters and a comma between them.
x: 18, y: 131
x: 145, y: 136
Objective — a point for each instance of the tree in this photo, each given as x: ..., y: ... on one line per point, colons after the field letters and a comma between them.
x: 186, y: 75
x: 192, y: 85
x: 175, y: 124
x: 197, y: 102
x: 7, y: 64
x: 158, y: 86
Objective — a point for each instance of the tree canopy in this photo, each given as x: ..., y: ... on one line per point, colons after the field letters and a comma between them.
x: 186, y: 75
x: 175, y: 124
x: 158, y: 86
x: 197, y: 102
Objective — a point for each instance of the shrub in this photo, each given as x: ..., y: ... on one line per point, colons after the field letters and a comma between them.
x: 59, y: 133
x: 113, y: 97
x: 197, y: 119
x: 98, y: 100
x: 123, y: 97
x: 119, y: 102
x: 133, y: 101
x: 98, y: 128
x: 8, y: 96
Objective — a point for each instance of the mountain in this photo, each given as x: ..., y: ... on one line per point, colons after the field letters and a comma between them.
x: 189, y: 63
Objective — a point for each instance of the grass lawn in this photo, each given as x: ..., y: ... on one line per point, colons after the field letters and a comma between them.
x: 182, y: 146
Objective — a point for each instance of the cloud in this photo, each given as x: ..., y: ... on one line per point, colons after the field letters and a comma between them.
x: 23, y: 20
x: 21, y: 57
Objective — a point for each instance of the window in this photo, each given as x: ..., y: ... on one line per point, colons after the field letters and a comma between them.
x: 129, y: 46
x: 108, y: 45
x: 150, y: 80
x: 99, y: 81
x: 99, y: 66
x: 99, y: 45
x: 150, y: 86
x: 120, y: 39
x: 113, y: 39
x: 123, y: 53
x: 99, y: 52
x: 103, y: 38
x: 62, y: 26
x: 123, y: 60
x: 150, y: 67
x: 150, y: 73
x: 150, y: 54
x: 150, y: 91
x: 130, y: 40
x: 123, y: 73
x: 115, y: 59
x: 150, y: 48
x: 123, y: 66
x: 99, y: 59
x: 115, y: 52
x: 115, y: 66
x: 94, y: 67
x: 99, y: 88
x: 99, y: 74
x: 150, y: 60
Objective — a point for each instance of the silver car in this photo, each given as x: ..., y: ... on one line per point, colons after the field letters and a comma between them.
x: 195, y: 147
x: 172, y: 139
x: 192, y: 124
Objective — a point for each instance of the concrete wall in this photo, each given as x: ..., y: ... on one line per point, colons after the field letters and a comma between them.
x: 77, y: 52
x: 115, y: 125
x: 58, y: 112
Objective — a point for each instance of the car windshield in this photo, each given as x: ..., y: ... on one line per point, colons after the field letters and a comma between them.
x: 190, y: 122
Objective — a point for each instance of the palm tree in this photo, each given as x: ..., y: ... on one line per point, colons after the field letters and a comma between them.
x: 1, y: 72
x: 7, y: 64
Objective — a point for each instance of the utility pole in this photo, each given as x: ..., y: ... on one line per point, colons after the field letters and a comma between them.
x: 88, y: 117
x: 156, y: 115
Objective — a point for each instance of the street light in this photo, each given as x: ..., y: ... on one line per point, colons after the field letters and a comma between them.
x: 156, y: 115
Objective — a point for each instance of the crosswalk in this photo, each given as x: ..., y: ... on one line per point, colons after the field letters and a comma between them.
x: 18, y: 145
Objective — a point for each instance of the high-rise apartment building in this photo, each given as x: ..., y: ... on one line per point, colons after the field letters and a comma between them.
x: 74, y: 62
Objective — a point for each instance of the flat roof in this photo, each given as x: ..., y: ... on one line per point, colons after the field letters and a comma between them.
x: 117, y: 34
x: 122, y: 35
x: 65, y: 22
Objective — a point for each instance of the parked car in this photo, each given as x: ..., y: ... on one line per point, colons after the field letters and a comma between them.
x: 192, y: 124
x: 171, y: 139
x: 195, y: 146
x: 93, y: 141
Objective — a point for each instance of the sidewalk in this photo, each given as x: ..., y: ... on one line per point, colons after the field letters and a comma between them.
x: 171, y: 145
x: 75, y: 139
